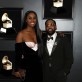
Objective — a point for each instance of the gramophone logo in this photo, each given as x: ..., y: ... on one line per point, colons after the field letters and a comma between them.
x: 7, y: 22
x: 58, y: 3
x: 7, y: 64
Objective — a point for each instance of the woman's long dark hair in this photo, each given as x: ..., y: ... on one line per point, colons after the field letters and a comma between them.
x: 37, y: 31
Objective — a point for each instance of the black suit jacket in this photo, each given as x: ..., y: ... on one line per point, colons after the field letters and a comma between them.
x: 61, y: 58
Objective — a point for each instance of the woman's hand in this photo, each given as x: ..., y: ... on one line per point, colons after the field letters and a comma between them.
x: 19, y: 74
x: 16, y: 74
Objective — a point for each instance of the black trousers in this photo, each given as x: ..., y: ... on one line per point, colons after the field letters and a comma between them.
x: 50, y: 76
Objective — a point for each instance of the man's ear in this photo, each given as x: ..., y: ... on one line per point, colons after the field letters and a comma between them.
x: 55, y: 27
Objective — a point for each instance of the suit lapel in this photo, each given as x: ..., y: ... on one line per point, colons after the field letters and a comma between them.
x: 45, y: 45
x: 55, y: 44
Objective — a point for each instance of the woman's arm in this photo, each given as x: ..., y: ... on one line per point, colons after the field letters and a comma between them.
x: 18, y: 72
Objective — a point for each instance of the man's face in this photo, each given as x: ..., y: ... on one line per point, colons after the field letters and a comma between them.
x: 50, y: 27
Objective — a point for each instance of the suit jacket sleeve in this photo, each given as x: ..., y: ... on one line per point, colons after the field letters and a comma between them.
x: 68, y: 55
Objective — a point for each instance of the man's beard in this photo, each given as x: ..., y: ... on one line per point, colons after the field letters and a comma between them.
x: 50, y: 32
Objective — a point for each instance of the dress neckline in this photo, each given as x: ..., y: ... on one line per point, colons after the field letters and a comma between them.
x: 32, y: 45
x: 30, y: 42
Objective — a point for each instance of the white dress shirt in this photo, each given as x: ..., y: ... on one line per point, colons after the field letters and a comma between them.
x: 50, y: 43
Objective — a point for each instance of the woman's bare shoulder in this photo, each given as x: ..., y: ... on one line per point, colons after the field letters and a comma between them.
x: 19, y: 36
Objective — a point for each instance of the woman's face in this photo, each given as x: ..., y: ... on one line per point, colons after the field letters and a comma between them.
x: 31, y: 20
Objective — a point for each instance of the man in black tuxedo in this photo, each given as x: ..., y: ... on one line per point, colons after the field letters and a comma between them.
x: 58, y: 55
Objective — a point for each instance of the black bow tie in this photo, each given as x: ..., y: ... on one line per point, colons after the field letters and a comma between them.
x: 48, y: 38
